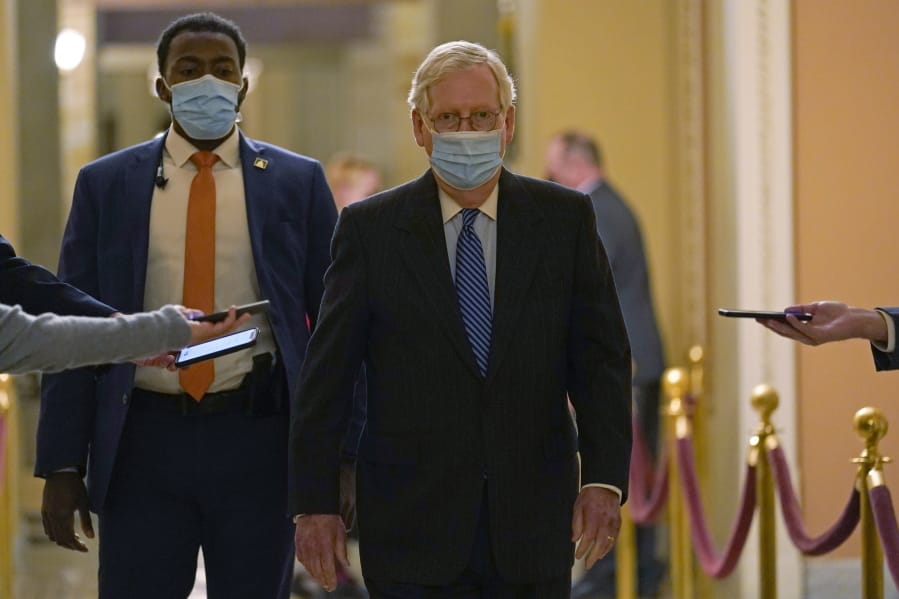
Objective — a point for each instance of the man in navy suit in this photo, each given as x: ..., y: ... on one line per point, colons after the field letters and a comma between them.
x: 174, y: 467
x: 835, y: 321
x: 479, y: 300
x: 38, y: 290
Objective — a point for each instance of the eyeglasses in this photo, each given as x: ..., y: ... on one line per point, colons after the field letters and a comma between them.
x: 482, y: 120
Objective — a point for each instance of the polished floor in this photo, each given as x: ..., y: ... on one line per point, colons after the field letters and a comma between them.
x: 46, y: 572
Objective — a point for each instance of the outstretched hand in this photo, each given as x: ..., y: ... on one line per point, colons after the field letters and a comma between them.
x: 831, y: 321
x: 199, y: 332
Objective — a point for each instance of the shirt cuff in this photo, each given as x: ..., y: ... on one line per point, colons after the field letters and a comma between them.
x: 890, y: 346
x: 612, y: 488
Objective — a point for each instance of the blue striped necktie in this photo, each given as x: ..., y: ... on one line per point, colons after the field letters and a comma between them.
x: 472, y: 290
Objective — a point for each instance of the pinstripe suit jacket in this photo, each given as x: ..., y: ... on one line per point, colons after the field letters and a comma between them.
x: 437, y: 433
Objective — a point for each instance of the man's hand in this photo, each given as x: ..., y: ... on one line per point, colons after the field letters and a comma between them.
x: 319, y: 539
x: 64, y: 494
x: 597, y: 518
x: 348, y: 494
x: 201, y: 331
x: 831, y: 321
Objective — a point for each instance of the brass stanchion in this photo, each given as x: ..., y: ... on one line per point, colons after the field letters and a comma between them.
x: 872, y: 426
x: 699, y: 424
x: 765, y: 401
x: 625, y: 558
x: 8, y: 511
x: 681, y: 551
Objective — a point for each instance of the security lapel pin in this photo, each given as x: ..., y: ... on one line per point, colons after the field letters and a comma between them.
x: 260, y: 163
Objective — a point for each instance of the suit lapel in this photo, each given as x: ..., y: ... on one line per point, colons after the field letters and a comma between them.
x: 257, y: 185
x: 424, y: 252
x: 139, y: 185
x: 518, y: 250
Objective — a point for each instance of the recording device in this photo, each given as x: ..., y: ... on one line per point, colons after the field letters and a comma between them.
x: 216, y: 347
x: 253, y: 308
x: 763, y: 314
x: 161, y: 181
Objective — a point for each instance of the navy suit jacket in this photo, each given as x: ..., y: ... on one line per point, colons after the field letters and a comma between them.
x: 883, y: 360
x: 436, y: 431
x: 38, y: 290
x: 291, y: 217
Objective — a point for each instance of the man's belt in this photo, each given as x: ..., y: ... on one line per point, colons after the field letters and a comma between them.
x: 259, y: 393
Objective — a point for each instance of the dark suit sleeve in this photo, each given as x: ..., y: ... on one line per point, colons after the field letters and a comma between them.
x: 68, y: 401
x: 599, y: 364
x: 884, y: 360
x: 321, y: 227
x: 38, y: 290
x: 321, y: 406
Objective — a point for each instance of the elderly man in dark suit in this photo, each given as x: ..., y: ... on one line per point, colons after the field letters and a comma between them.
x: 479, y: 301
x: 176, y: 462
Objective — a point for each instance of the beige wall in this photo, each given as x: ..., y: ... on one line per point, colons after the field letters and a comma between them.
x: 604, y: 67
x: 8, y: 160
x: 847, y: 146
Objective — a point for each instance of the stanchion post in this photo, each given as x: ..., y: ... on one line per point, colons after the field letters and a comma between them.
x: 764, y: 401
x: 872, y: 426
x: 699, y: 420
x: 625, y: 558
x: 8, y: 512
x: 675, y: 382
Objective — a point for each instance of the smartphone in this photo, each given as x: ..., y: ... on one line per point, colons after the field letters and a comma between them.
x: 253, y: 308
x: 216, y: 347
x: 767, y: 314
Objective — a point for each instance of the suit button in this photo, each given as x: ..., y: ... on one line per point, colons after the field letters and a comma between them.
x: 125, y: 399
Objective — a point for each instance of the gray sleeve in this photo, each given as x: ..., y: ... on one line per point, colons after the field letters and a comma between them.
x: 51, y: 343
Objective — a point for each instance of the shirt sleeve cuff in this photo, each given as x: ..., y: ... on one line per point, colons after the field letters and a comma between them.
x: 890, y: 346
x: 612, y: 488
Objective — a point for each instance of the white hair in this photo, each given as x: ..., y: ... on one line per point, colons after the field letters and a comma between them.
x: 452, y: 57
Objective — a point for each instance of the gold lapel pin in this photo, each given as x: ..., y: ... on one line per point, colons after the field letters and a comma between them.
x: 260, y: 163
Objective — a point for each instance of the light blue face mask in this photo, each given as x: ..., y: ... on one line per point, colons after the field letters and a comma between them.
x: 466, y: 159
x: 206, y: 108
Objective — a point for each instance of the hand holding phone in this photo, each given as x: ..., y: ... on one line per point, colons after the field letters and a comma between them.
x: 253, y: 308
x: 216, y: 347
x: 763, y: 314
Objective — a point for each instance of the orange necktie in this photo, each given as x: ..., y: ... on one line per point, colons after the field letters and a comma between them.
x: 199, y: 262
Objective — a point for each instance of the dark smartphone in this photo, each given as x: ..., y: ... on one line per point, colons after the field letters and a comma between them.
x: 253, y: 308
x: 767, y: 314
x: 216, y: 347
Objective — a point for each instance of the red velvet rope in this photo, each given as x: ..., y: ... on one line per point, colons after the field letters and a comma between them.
x: 645, y: 506
x: 885, y: 519
x: 835, y: 536
x: 712, y: 564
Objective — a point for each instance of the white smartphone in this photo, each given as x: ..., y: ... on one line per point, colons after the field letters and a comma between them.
x: 216, y: 347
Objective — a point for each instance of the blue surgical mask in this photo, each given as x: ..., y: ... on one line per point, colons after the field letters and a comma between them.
x: 466, y: 159
x: 206, y: 108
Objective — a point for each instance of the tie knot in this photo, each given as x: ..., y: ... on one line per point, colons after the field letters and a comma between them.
x: 204, y: 159
x: 468, y: 216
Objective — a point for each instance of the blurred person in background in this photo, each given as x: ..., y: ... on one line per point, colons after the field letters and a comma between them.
x: 573, y: 159
x: 351, y: 178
